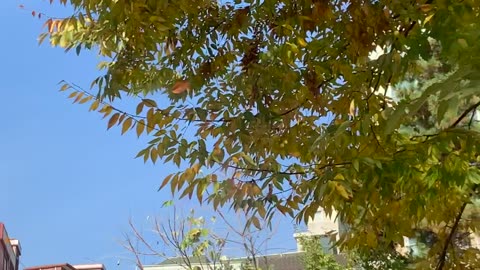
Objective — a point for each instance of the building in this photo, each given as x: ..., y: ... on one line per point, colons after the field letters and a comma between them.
x: 323, y: 226
x: 10, y: 251
x: 66, y: 266
x: 282, y: 261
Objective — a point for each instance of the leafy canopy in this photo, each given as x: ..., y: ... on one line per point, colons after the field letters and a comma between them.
x: 279, y: 106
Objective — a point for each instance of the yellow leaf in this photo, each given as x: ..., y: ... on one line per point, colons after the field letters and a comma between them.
x: 180, y: 87
x: 140, y: 127
x: 149, y: 129
x: 94, y: 105
x: 113, y: 120
x: 150, y: 117
x: 342, y: 191
x: 139, y: 108
x: 63, y: 41
x: 85, y: 99
x: 292, y: 204
x: 107, y: 109
x: 165, y: 181
x: 256, y: 190
x: 428, y: 18
x: 352, y: 108
x: 79, y: 96
x: 72, y: 94
x: 283, y: 209
x: 196, y: 168
x: 154, y: 154
x: 261, y: 210
x: 65, y: 87
x: 127, y: 124
x: 256, y: 222
x: 301, y: 41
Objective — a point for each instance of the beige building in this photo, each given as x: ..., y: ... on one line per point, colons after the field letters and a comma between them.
x: 323, y: 226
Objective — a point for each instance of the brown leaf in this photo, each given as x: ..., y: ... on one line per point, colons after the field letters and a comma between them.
x: 426, y: 7
x: 113, y: 120
x: 180, y: 87
x: 122, y: 117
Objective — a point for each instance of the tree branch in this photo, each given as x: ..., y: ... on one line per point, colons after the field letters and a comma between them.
x: 464, y: 114
x: 287, y: 172
x: 443, y: 254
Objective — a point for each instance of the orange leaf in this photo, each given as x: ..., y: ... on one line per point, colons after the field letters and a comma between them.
x: 180, y: 87
x: 48, y: 24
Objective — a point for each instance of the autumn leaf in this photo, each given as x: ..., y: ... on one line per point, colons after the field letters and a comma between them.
x: 325, y: 105
x: 140, y: 127
x: 180, y: 87
x: 113, y: 120
x: 127, y: 124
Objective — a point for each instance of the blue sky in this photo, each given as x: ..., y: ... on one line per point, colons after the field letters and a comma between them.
x: 68, y: 186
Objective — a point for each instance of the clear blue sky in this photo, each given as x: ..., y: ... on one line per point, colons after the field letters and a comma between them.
x: 68, y: 187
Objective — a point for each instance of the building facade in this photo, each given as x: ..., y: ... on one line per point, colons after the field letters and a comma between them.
x: 66, y: 266
x: 323, y: 226
x: 10, y: 251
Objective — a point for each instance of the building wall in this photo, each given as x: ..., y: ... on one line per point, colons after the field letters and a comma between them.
x: 322, y: 224
x: 235, y: 266
x: 8, y: 259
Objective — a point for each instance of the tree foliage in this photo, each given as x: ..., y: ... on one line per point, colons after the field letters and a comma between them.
x: 279, y: 106
x: 315, y: 258
x: 187, y: 242
x: 194, y: 242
